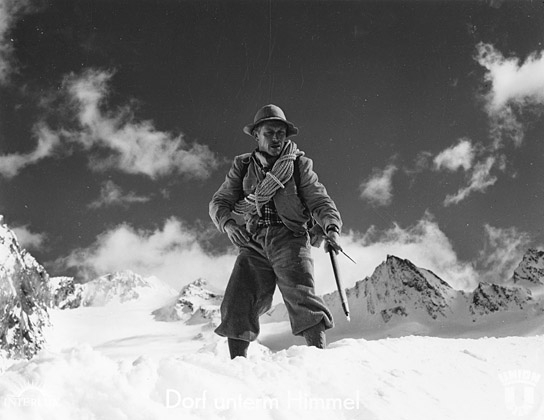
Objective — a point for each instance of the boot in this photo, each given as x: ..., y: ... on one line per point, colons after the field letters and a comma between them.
x: 237, y: 347
x: 315, y: 336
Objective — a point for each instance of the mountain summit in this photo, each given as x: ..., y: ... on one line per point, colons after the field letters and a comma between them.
x: 195, y: 304
x: 400, y: 298
x: 530, y: 271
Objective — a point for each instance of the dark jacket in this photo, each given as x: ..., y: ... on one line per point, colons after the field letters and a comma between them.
x: 293, y: 204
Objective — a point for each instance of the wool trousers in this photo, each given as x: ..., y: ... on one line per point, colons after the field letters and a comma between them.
x: 273, y: 256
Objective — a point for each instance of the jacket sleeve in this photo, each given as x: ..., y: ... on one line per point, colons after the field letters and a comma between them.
x: 224, y: 199
x: 315, y: 196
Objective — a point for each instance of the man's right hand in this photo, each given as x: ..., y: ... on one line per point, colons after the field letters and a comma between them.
x: 236, y: 233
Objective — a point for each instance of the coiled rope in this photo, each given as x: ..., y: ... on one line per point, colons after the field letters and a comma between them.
x: 276, y: 178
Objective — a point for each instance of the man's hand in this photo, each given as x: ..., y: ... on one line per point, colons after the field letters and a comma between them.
x: 236, y: 233
x: 331, y: 242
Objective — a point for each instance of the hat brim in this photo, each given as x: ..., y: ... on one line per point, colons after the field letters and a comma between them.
x: 291, y: 129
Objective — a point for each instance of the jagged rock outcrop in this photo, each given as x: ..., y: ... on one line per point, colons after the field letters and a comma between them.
x: 24, y: 298
x: 488, y: 298
x: 195, y: 304
x: 66, y: 293
x: 530, y: 271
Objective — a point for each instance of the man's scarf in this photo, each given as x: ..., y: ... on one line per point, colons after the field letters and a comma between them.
x: 276, y: 178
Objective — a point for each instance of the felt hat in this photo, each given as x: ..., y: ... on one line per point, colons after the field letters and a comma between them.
x: 270, y: 113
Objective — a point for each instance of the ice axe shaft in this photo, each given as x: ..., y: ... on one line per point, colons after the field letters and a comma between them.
x: 341, y: 290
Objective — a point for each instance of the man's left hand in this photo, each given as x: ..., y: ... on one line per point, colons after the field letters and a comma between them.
x: 331, y: 242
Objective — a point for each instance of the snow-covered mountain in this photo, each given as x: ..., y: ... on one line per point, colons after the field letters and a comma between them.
x: 24, y: 298
x: 402, y: 299
x: 120, y: 286
x: 196, y: 304
x: 530, y: 271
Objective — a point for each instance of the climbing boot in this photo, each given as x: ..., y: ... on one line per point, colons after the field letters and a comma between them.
x: 315, y: 336
x: 237, y: 347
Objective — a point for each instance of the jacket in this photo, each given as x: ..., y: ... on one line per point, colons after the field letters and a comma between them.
x: 295, y: 203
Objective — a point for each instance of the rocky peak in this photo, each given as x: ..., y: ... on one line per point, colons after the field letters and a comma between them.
x: 488, y: 298
x: 397, y: 286
x: 196, y: 303
x: 24, y: 298
x: 67, y: 294
x: 530, y: 271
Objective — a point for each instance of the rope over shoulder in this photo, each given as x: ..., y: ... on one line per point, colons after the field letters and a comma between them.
x: 276, y: 178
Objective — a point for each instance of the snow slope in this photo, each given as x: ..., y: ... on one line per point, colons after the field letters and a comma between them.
x: 402, y: 379
x: 122, y: 359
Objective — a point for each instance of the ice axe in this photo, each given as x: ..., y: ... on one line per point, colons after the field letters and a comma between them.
x: 334, y: 248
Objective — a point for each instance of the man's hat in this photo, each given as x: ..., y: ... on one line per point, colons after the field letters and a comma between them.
x: 270, y: 113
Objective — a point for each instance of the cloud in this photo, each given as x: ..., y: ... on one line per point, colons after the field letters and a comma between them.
x: 175, y: 253
x: 459, y: 156
x: 117, y: 141
x: 480, y: 179
x: 10, y: 12
x: 377, y: 189
x: 514, y: 87
x: 48, y: 141
x: 113, y: 139
x: 512, y: 82
x: 112, y: 195
x: 503, y: 251
x: 28, y: 239
x: 171, y: 252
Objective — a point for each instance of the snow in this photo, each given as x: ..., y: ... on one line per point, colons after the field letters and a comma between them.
x: 116, y: 362
x: 137, y: 350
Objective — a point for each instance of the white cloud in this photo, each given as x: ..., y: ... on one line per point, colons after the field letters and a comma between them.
x: 503, y: 251
x: 172, y: 253
x: 113, y: 139
x: 514, y: 86
x: 111, y: 195
x: 117, y: 141
x: 28, y: 239
x: 480, y: 180
x: 48, y: 141
x: 378, y: 188
x: 512, y: 82
x: 459, y: 156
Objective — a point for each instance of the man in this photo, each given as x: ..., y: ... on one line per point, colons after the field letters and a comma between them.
x: 277, y: 192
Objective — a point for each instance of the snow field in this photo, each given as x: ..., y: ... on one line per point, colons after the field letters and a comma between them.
x: 402, y: 378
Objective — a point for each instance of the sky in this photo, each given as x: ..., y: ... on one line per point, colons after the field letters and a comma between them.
x: 119, y: 119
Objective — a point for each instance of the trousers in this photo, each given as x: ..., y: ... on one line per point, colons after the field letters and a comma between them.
x: 273, y: 256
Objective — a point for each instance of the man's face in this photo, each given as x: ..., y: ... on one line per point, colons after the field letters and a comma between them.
x: 271, y: 136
